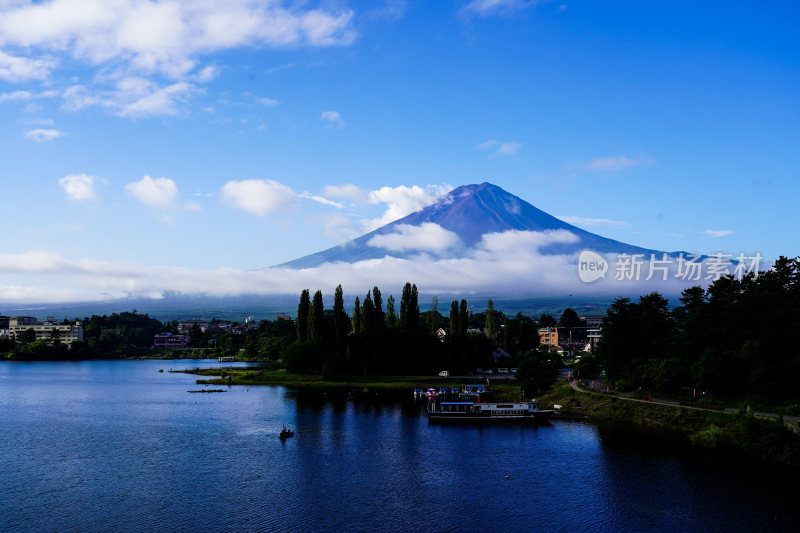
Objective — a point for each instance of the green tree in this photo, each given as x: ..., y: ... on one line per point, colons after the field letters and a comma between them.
x: 570, y: 319
x: 413, y: 309
x: 618, y: 347
x: 454, y: 317
x: 491, y: 328
x: 391, y: 317
x: 55, y: 337
x: 463, y: 318
x: 537, y: 370
x: 316, y: 318
x: 409, y: 308
x: 340, y: 318
x: 356, y: 320
x: 302, y: 316
x: 26, y: 337
x: 432, y: 318
x: 196, y: 335
x: 377, y: 302
x: 547, y: 321
x: 368, y: 321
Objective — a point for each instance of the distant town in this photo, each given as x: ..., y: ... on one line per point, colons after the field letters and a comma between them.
x: 215, y: 334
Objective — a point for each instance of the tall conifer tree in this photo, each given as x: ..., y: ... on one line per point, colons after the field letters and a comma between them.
x: 316, y: 318
x: 302, y: 316
x: 463, y: 318
x: 356, y: 319
x: 339, y: 316
x: 391, y: 317
x: 454, y: 317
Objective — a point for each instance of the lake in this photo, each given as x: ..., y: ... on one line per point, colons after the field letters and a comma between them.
x: 116, y: 446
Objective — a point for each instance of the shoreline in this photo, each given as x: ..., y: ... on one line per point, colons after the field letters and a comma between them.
x: 740, y: 435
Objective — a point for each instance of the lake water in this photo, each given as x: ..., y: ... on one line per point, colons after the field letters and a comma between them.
x: 117, y: 446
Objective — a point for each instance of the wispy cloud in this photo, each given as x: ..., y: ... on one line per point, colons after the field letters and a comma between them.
x: 40, y: 135
x: 389, y: 10
x: 79, y: 187
x: 618, y: 163
x: 333, y: 118
x: 717, y: 233
x: 348, y: 191
x: 260, y: 197
x: 21, y: 96
x: 156, y: 192
x: 133, y: 97
x: 582, y: 221
x: 500, y: 148
x: 485, y: 8
x: 321, y: 200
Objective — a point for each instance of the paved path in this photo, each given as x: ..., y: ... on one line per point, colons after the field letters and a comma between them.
x: 672, y: 403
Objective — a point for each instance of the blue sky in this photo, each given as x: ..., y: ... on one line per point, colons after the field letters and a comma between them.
x: 229, y: 136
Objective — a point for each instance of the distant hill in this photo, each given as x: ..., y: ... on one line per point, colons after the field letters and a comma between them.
x: 469, y: 211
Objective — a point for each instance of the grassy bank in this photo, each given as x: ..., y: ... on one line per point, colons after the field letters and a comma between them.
x: 245, y: 376
x: 737, y: 434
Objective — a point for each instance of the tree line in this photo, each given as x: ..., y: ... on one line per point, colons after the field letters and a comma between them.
x: 405, y: 341
x: 736, y: 338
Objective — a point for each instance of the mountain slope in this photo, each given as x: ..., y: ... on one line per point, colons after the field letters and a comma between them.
x: 470, y: 211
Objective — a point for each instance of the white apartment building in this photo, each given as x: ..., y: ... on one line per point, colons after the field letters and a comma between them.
x: 68, y: 333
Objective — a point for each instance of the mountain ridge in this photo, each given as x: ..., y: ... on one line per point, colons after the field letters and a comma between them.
x: 471, y: 211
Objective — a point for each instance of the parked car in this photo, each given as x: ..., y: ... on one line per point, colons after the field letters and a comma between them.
x: 444, y: 374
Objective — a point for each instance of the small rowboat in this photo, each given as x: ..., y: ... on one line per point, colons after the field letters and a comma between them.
x: 286, y: 434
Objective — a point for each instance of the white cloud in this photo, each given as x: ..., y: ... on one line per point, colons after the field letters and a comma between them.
x: 207, y: 74
x: 16, y: 69
x: 19, y: 96
x: 133, y: 97
x: 618, y: 163
x: 485, y: 8
x: 333, y: 118
x: 79, y: 187
x: 498, y: 148
x: 269, y: 102
x: 260, y: 197
x: 401, y: 201
x: 42, y: 135
x: 508, y: 241
x: 581, y: 221
x: 427, y: 237
x: 322, y: 200
x: 504, y: 263
x: 347, y: 191
x: 716, y: 233
x: 157, y: 192
x: 163, y: 37
x: 148, y: 54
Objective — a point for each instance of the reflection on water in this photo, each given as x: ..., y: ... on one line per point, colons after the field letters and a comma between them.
x: 116, y: 445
